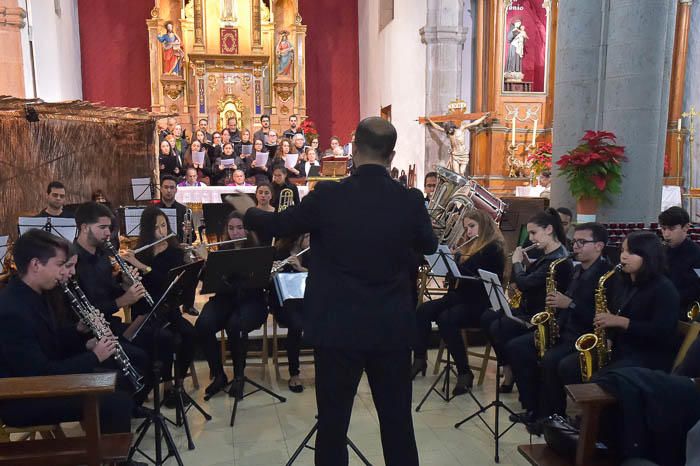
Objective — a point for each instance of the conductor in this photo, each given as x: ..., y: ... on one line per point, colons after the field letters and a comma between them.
x: 358, y: 306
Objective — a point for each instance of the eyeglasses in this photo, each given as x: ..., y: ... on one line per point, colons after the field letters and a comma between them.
x: 582, y: 242
x: 430, y: 185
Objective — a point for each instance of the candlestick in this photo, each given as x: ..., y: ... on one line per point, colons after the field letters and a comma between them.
x: 534, y: 133
x: 512, y: 133
x: 679, y: 124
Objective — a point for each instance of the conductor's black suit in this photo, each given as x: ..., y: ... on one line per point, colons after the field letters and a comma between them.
x: 358, y: 306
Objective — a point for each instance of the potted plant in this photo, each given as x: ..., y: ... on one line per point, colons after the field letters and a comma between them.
x: 541, y: 160
x: 310, y: 131
x: 593, y: 170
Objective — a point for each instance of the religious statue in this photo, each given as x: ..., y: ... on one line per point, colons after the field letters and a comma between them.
x: 516, y: 49
x: 459, y: 156
x: 172, y: 51
x: 228, y: 11
x: 285, y: 55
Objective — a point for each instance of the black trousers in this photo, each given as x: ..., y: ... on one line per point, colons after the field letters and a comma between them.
x: 115, y: 412
x: 541, y: 383
x: 338, y: 372
x: 690, y: 366
x: 500, y: 330
x: 291, y: 316
x: 451, y: 314
x: 238, y: 317
x: 178, y: 338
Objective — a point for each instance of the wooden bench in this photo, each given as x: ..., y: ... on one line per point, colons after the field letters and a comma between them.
x: 92, y: 449
x: 592, y: 399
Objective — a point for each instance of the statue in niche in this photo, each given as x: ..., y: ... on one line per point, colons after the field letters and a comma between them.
x: 285, y: 55
x: 228, y: 11
x: 516, y: 50
x: 459, y: 155
x: 172, y: 51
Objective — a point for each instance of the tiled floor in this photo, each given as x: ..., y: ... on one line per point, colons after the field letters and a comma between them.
x: 267, y: 432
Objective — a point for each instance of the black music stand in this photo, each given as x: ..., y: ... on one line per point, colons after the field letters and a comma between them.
x: 154, y: 417
x: 143, y: 189
x: 305, y: 444
x: 247, y: 268
x: 499, y: 303
x: 183, y: 401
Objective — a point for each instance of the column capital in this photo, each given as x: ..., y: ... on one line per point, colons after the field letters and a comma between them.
x: 443, y: 34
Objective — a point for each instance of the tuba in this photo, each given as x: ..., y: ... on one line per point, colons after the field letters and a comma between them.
x: 593, y: 349
x: 545, y: 322
x: 455, y: 211
x: 693, y: 311
x: 448, y: 184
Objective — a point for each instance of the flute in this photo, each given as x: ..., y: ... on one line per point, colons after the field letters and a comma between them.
x: 467, y: 241
x: 219, y: 243
x: 158, y: 241
x: 278, y: 267
x: 532, y: 246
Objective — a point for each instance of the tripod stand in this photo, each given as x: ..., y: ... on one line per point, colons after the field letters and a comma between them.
x: 182, y: 399
x: 305, y: 444
x: 444, y: 392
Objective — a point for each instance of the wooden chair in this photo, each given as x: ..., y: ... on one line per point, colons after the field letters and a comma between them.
x: 92, y: 449
x: 689, y: 331
x: 276, y: 352
x: 485, y: 356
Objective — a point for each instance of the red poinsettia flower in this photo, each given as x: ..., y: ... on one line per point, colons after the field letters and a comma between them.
x: 600, y: 182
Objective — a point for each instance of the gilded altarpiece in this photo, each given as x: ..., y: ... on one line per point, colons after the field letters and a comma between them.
x: 514, y: 80
x: 217, y: 59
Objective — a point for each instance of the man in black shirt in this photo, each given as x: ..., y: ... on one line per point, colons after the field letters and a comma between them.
x: 359, y: 308
x: 168, y: 189
x: 542, y: 388
x: 233, y: 129
x: 293, y: 129
x: 55, y: 200
x: 32, y: 344
x: 682, y: 256
x: 262, y: 132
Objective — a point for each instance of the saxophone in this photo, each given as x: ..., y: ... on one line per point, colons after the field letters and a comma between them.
x: 95, y: 321
x: 545, y: 322
x: 593, y: 349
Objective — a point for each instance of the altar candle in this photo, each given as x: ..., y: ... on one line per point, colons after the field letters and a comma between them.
x: 512, y: 133
x: 534, y: 133
x: 679, y: 124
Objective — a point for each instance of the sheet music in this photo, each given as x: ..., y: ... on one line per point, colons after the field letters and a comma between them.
x: 290, y: 286
x: 290, y: 160
x: 261, y: 159
x: 228, y: 163
x: 437, y: 265
x: 497, y: 295
x: 132, y: 220
x: 246, y: 149
x: 62, y: 227
x: 198, y: 157
x: 3, y: 249
x: 141, y: 189
x: 450, y: 261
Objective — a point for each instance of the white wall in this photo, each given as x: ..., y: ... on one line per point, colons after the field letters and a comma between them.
x: 56, y: 40
x: 392, y: 72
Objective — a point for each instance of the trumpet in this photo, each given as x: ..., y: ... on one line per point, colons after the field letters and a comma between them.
x: 126, y: 271
x: 187, y: 222
x: 532, y: 246
x: 278, y: 266
x: 158, y: 241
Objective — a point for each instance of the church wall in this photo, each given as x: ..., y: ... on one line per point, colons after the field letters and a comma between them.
x: 11, y: 69
x: 692, y: 94
x: 56, y: 41
x: 392, y: 72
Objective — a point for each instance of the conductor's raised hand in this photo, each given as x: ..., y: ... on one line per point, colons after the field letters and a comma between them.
x: 240, y: 202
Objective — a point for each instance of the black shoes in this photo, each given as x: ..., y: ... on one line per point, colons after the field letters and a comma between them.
x: 525, y: 417
x: 170, y: 399
x: 295, y: 385
x: 219, y: 383
x: 419, y: 365
x: 506, y: 387
x: 464, y: 384
x: 192, y: 311
x: 236, y: 390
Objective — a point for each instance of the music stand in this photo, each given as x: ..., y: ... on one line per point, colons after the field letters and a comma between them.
x: 59, y: 226
x: 154, y: 417
x: 3, y: 250
x: 132, y: 219
x: 143, y: 189
x: 499, y: 303
x: 247, y: 268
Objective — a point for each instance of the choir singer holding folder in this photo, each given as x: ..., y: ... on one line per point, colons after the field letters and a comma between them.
x: 358, y: 306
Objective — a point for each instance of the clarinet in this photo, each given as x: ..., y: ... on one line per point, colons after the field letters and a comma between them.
x: 125, y: 270
x: 95, y: 321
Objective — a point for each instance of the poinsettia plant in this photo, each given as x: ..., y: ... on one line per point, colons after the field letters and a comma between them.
x: 310, y: 131
x: 594, y: 168
x: 541, y: 160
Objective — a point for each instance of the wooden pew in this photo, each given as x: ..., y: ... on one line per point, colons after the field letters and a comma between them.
x: 92, y: 449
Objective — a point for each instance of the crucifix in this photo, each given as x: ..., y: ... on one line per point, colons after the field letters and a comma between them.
x: 455, y: 125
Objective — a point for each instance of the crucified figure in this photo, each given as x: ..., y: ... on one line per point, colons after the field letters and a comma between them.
x: 459, y: 156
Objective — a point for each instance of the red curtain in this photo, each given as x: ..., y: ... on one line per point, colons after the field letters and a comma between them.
x: 115, y: 70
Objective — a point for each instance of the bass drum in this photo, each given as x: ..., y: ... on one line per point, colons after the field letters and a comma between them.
x: 484, y: 200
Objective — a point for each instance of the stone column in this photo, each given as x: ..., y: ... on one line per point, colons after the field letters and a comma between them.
x: 612, y: 75
x: 199, y: 9
x: 692, y: 98
x: 444, y: 35
x: 12, y: 20
x: 256, y: 28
